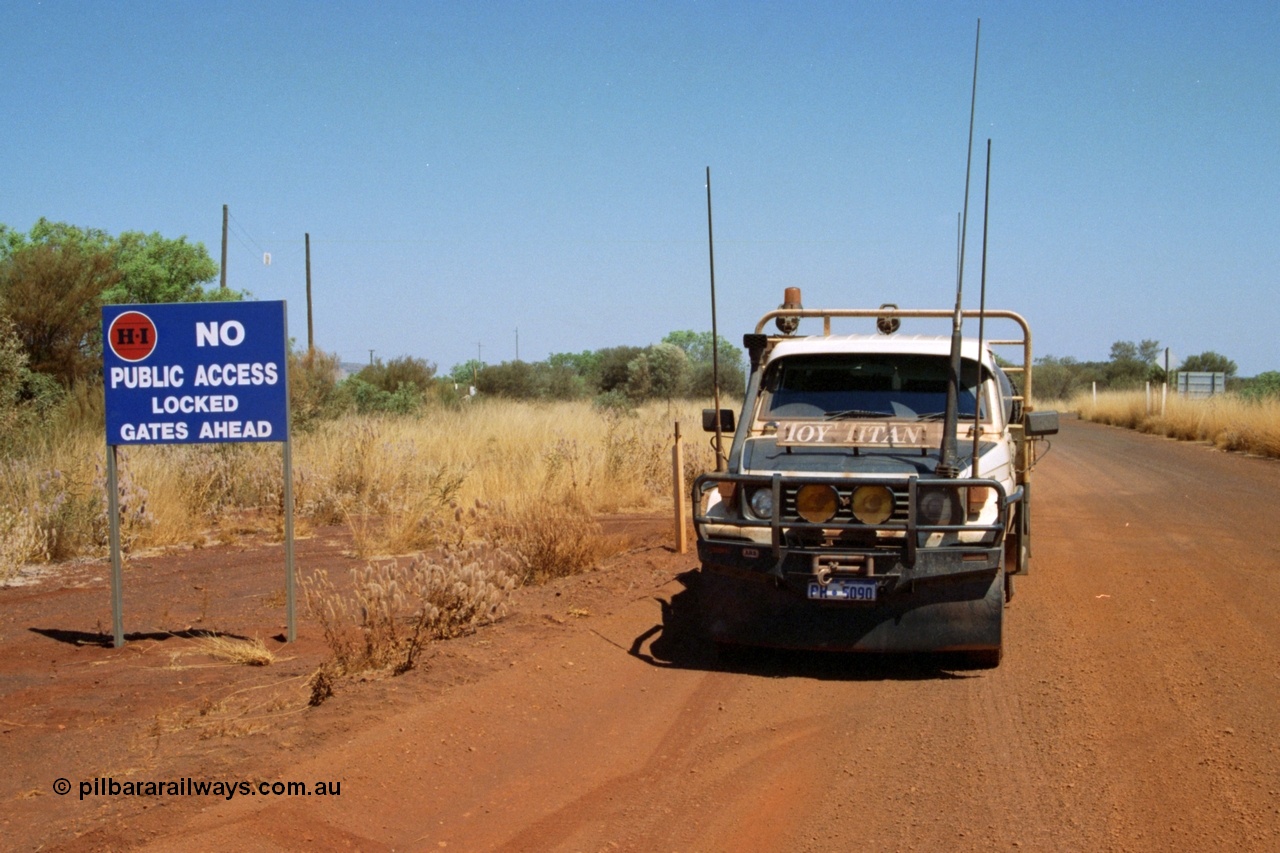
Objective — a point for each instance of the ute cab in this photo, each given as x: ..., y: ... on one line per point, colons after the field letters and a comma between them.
x: 841, y: 518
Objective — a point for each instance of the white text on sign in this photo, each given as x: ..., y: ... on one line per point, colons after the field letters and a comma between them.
x: 171, y: 376
x: 230, y: 333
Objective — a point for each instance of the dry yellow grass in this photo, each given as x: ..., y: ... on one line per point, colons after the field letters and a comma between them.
x: 1229, y: 422
x: 390, y: 478
x: 235, y: 650
x: 394, y: 609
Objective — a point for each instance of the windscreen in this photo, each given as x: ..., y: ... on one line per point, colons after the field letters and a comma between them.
x: 839, y: 386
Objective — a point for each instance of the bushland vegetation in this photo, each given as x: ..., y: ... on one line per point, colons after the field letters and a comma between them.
x: 450, y: 507
x: 54, y: 278
x: 1130, y: 366
x: 1246, y: 418
x: 456, y: 488
x: 451, y: 503
x: 383, y: 450
x: 680, y: 366
x: 393, y: 479
x: 1243, y: 422
x: 452, y: 496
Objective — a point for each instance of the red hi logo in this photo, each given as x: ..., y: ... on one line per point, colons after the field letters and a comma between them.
x: 132, y: 336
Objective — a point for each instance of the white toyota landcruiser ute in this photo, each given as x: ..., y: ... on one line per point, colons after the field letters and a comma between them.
x: 873, y: 498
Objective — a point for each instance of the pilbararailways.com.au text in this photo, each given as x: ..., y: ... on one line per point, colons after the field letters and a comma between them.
x: 188, y: 787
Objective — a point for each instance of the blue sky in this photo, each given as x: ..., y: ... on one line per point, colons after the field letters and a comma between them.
x: 467, y: 170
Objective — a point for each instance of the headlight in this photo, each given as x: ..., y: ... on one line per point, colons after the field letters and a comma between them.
x: 817, y: 504
x: 872, y: 504
x: 937, y: 506
x: 762, y: 503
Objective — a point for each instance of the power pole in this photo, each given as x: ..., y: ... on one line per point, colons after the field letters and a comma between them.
x: 311, y: 339
x: 517, y: 343
x: 224, y: 247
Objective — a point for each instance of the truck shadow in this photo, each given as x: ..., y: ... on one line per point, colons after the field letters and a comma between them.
x: 678, y: 642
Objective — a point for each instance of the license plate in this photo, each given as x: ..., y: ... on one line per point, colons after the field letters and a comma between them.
x: 843, y: 590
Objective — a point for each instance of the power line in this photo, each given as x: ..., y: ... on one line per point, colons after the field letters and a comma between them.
x: 246, y: 233
x: 258, y: 251
x: 240, y: 240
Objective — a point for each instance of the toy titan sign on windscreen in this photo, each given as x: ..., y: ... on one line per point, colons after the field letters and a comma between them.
x: 193, y: 373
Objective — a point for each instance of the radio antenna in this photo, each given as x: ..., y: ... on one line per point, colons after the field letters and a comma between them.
x: 715, y: 336
x: 982, y: 312
x: 947, y: 464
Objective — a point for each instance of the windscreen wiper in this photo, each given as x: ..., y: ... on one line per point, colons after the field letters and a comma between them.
x: 847, y: 414
x: 937, y: 416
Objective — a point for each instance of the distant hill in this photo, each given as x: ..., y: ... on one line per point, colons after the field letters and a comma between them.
x: 349, y: 368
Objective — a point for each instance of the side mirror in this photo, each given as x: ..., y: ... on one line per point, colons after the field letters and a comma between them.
x: 709, y: 420
x: 1041, y: 423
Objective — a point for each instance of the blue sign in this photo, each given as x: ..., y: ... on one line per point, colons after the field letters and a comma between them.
x: 197, y: 372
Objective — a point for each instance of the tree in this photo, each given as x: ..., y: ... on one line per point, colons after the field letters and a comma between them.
x: 313, y: 385
x: 585, y: 363
x: 54, y: 279
x: 52, y: 294
x: 1209, y: 362
x: 514, y: 379
x: 405, y: 370
x: 152, y: 268
x: 668, y: 370
x: 1132, y: 364
x: 46, y: 233
x: 613, y: 372
x: 13, y: 374
x: 367, y: 398
x: 1060, y: 378
x: 639, y: 385
x: 697, y: 346
x: 156, y: 269
x: 465, y: 373
x: 10, y: 241
x: 561, y: 381
x: 1265, y: 385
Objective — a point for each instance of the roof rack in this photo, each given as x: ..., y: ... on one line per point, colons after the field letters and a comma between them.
x: 827, y: 314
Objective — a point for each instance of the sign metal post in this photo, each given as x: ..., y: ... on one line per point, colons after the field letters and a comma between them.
x: 195, y: 373
x: 113, y: 534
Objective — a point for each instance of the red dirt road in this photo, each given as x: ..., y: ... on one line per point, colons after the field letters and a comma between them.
x: 1137, y: 708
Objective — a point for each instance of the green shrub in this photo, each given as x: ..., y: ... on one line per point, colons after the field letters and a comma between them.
x: 398, y: 372
x: 313, y: 386
x: 615, y: 402
x: 1264, y: 386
